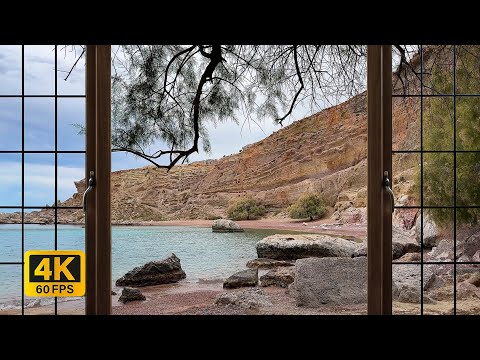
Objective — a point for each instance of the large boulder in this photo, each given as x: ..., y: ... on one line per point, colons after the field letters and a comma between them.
x: 431, y: 232
x: 282, y: 276
x: 224, y: 225
x: 242, y: 279
x: 247, y: 299
x: 337, y: 281
x: 292, y: 247
x: 165, y: 271
x: 265, y: 263
x: 129, y: 294
x: 406, y: 283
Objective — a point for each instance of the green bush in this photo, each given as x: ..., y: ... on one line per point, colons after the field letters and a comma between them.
x: 246, y: 208
x: 212, y: 217
x: 308, y: 206
x: 438, y: 168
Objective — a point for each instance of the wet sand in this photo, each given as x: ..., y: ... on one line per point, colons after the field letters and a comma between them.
x: 186, y: 298
x: 324, y: 226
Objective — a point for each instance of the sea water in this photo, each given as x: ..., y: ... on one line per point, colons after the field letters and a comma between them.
x: 203, y: 255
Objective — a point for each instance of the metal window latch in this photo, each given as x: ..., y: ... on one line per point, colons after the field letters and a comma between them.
x: 386, y: 183
x: 91, y: 184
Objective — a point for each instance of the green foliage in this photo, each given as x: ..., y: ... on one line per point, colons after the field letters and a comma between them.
x: 212, y: 217
x: 308, y: 206
x: 246, y: 208
x: 438, y: 168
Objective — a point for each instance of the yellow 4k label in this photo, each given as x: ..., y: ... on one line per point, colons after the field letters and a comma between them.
x: 54, y: 273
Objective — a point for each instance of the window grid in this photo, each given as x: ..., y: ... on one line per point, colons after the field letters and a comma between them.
x: 23, y: 96
x: 422, y: 207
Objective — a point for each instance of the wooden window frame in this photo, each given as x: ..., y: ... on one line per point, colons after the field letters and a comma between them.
x: 98, y: 235
x: 379, y: 157
x: 98, y: 148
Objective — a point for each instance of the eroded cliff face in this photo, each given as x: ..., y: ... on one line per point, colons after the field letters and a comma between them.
x: 325, y: 152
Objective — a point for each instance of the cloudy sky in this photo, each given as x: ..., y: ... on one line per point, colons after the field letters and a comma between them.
x: 40, y: 75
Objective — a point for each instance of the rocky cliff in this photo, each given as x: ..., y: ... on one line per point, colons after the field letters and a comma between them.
x: 325, y: 152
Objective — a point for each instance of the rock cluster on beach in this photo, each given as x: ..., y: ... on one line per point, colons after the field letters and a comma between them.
x: 164, y: 271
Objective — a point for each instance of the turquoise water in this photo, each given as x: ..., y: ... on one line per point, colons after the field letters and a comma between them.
x: 203, y: 254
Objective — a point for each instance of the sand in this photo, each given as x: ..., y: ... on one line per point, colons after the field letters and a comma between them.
x: 324, y: 226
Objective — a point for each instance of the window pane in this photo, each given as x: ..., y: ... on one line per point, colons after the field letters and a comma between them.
x: 69, y: 66
x: 71, y: 124
x: 406, y: 123
x: 406, y: 289
x: 11, y: 285
x: 10, y: 70
x: 438, y: 123
x: 438, y: 289
x: 10, y: 181
x: 39, y: 124
x: 39, y: 180
x: 10, y: 124
x: 438, y: 179
x: 39, y: 69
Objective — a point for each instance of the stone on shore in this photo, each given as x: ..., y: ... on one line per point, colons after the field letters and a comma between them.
x: 282, y: 277
x: 410, y: 257
x: 431, y: 232
x: 224, y: 225
x: 130, y: 294
x: 243, y: 278
x: 331, y: 281
x: 247, y: 299
x: 164, y: 271
x: 292, y: 247
x: 265, y: 263
x: 474, y: 279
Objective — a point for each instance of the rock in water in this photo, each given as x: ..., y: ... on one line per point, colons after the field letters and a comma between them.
x: 292, y: 247
x: 130, y: 294
x: 242, y: 279
x: 338, y: 281
x: 165, y: 271
x: 282, y: 276
x: 247, y: 299
x: 265, y: 263
x: 224, y: 225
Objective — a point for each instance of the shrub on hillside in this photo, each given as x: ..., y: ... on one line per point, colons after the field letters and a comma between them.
x: 439, y: 168
x: 246, y: 208
x: 308, y: 206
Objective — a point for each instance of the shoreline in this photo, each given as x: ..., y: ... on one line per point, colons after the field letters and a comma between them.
x: 198, y: 298
x: 356, y: 232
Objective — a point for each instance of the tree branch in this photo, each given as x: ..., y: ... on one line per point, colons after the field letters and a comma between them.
x: 297, y: 69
